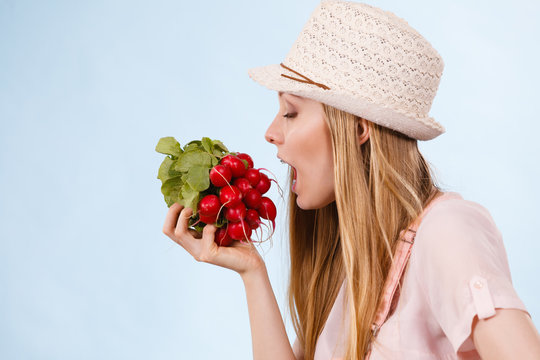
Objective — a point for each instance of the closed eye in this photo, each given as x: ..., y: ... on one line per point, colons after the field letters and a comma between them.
x: 289, y: 115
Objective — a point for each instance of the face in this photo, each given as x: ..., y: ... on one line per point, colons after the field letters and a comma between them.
x: 303, y: 141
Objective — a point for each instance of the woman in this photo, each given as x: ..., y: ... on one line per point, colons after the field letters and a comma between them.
x: 354, y: 95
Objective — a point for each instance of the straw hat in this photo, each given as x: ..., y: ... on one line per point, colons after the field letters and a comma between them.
x: 365, y: 61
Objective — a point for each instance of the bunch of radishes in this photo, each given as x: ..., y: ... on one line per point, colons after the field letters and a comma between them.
x: 222, y: 187
x: 238, y: 202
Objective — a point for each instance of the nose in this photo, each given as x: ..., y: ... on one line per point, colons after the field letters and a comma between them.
x: 274, y: 134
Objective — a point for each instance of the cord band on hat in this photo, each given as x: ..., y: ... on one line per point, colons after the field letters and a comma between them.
x: 309, y: 81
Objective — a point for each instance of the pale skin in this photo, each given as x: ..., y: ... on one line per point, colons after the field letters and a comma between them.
x: 304, y: 142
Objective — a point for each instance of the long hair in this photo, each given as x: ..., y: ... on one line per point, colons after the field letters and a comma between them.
x: 381, y: 186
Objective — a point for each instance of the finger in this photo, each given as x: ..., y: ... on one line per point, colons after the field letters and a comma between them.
x: 209, y: 232
x: 171, y: 218
x: 182, y: 223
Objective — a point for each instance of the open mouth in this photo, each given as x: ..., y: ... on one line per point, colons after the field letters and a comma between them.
x: 293, y: 169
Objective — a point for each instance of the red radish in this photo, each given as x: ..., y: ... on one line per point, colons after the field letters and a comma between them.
x: 220, y: 175
x: 274, y: 180
x: 252, y: 217
x: 253, y: 176
x: 242, y: 184
x: 247, y: 158
x: 236, y: 212
x: 235, y: 164
x: 210, y: 219
x: 222, y: 238
x: 267, y: 210
x: 226, y: 160
x: 264, y: 184
x: 230, y: 195
x: 239, y: 230
x: 252, y: 199
x: 209, y: 205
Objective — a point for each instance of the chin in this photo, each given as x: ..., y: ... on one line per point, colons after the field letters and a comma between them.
x: 313, y: 205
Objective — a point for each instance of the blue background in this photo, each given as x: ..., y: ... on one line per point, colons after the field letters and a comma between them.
x: 88, y: 88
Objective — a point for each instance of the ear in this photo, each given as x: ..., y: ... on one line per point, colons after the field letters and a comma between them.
x: 362, y: 131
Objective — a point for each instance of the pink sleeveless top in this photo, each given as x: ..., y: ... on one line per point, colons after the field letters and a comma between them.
x: 458, y: 269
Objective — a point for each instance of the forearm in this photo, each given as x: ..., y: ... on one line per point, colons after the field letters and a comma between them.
x: 268, y: 334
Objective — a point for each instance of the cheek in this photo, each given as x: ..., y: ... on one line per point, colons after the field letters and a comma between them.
x: 327, y: 165
x: 327, y: 178
x: 321, y: 169
x: 324, y: 147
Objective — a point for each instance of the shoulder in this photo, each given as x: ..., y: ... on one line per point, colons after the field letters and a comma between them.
x: 457, y: 221
x: 456, y: 234
x: 455, y: 215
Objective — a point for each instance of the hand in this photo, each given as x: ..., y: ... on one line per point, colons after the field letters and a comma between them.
x: 242, y: 258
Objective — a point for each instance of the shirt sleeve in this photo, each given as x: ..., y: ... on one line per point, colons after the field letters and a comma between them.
x: 464, y: 268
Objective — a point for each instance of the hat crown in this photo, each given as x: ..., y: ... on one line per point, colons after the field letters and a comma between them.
x: 368, y: 52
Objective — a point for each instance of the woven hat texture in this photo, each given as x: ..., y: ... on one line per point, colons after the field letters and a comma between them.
x: 365, y: 61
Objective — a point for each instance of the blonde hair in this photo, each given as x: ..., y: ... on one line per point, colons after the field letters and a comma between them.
x: 381, y: 186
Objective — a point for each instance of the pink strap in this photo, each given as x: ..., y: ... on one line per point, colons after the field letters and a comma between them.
x: 403, y: 251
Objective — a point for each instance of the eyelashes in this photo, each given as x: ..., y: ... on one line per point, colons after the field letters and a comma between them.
x: 289, y: 115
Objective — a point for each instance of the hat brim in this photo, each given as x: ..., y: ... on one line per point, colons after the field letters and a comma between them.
x: 420, y: 128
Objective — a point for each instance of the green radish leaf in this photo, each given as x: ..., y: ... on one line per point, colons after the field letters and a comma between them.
x: 193, y: 146
x: 190, y: 197
x: 218, y: 153
x: 184, y: 177
x: 219, y: 145
x: 169, y: 146
x: 215, y: 160
x: 172, y: 171
x: 198, y: 142
x: 245, y: 163
x: 166, y: 169
x: 191, y: 159
x: 170, y: 200
x: 171, y: 190
x: 198, y: 178
x: 207, y: 144
x: 163, y: 172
